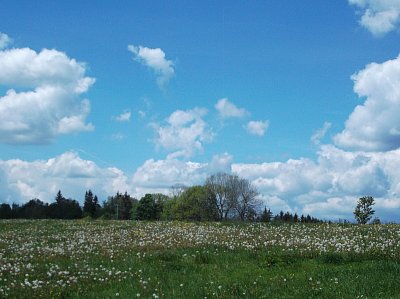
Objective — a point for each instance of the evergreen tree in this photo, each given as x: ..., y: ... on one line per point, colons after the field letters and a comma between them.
x: 91, y: 206
x: 363, y: 211
x: 5, y: 211
x: 266, y: 215
x: 34, y: 209
x: 64, y: 208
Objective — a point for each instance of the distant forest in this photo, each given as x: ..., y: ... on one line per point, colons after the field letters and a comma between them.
x: 222, y: 197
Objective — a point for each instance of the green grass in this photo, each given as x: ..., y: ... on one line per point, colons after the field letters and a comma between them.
x: 103, y: 259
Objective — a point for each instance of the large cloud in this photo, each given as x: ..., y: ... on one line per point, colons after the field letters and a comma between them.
x: 161, y: 175
x: 379, y: 16
x: 184, y: 132
x: 155, y: 60
x: 330, y: 186
x: 45, y: 101
x: 68, y: 172
x: 375, y: 125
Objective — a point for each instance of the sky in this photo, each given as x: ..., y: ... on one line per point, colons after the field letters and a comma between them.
x: 302, y: 98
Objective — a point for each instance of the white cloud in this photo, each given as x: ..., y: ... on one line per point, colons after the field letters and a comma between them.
x: 330, y: 186
x: 67, y: 172
x: 319, y: 134
x: 257, y: 127
x: 165, y: 173
x: 156, y: 61
x: 52, y: 106
x: 379, y: 16
x: 123, y: 117
x: 184, y: 133
x: 375, y: 125
x: 5, y: 41
x: 160, y: 175
x: 220, y: 163
x: 227, y: 109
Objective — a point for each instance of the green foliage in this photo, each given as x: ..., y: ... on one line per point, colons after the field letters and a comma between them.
x: 64, y: 208
x: 34, y: 209
x: 149, y: 207
x: 266, y: 215
x: 91, y: 205
x: 118, y: 207
x: 194, y: 204
x: 363, y: 211
x: 5, y: 211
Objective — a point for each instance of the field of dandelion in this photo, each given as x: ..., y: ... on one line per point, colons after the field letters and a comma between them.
x: 128, y: 259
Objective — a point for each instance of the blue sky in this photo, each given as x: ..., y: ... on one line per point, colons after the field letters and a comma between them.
x: 139, y: 95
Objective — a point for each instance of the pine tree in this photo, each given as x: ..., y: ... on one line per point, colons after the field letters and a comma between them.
x: 266, y: 215
x: 363, y: 212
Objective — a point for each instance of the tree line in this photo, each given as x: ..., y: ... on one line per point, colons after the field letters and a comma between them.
x: 222, y: 197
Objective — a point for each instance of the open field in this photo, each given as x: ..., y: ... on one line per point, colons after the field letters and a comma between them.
x: 127, y: 259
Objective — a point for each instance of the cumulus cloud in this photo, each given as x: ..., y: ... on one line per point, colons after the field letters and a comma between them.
x: 184, y: 132
x: 165, y: 173
x: 329, y: 186
x: 67, y: 172
x: 160, y: 175
x: 5, y: 41
x: 379, y: 16
x: 227, y: 109
x: 319, y: 134
x: 123, y: 117
x: 257, y: 128
x: 155, y: 60
x: 52, y: 106
x: 374, y: 125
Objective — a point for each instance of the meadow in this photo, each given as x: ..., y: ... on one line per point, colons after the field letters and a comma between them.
x: 133, y: 259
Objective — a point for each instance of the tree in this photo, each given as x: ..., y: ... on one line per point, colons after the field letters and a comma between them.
x: 223, y: 190
x: 64, y: 208
x: 34, y: 209
x: 148, y: 208
x: 363, y: 211
x: 119, y: 206
x: 91, y: 204
x: 5, y: 211
x: 266, y: 215
x: 246, y: 204
x: 194, y: 204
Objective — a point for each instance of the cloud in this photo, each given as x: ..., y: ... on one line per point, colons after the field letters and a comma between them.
x: 374, y: 125
x: 227, y: 110
x: 320, y: 134
x: 379, y: 16
x: 257, y: 128
x: 184, y: 132
x: 160, y: 175
x: 329, y: 186
x: 67, y: 172
x: 156, y: 61
x: 123, y: 117
x: 5, y: 41
x: 48, y: 103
